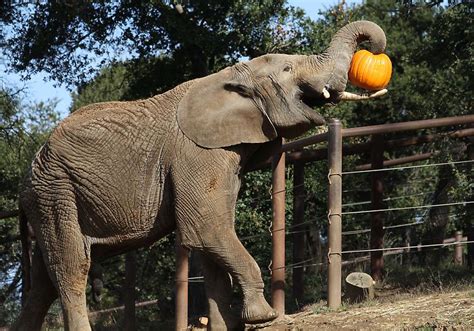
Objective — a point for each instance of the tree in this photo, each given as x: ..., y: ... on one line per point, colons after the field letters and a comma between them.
x: 69, y: 41
x: 23, y: 128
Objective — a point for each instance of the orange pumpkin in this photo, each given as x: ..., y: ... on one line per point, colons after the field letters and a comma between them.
x: 370, y: 71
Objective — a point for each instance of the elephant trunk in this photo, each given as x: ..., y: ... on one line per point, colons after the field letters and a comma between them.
x: 347, y: 38
x: 338, y: 56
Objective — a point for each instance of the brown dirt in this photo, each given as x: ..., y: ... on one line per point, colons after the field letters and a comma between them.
x: 435, y: 311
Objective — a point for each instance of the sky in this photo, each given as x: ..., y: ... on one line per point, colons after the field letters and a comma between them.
x: 41, y: 88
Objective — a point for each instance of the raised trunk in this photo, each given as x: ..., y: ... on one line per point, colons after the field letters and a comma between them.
x: 348, y: 37
x: 338, y: 55
x: 345, y: 41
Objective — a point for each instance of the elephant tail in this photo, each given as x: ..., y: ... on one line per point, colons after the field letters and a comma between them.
x: 25, y: 239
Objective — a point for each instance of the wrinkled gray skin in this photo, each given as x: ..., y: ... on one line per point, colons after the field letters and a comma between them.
x: 116, y: 176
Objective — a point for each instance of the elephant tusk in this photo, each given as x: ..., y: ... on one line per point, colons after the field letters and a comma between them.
x: 179, y: 8
x: 347, y: 96
x: 326, y: 93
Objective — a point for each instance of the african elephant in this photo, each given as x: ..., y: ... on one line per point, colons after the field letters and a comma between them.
x: 116, y: 176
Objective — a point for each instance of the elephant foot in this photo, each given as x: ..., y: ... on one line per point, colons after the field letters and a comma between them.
x: 230, y: 323
x: 257, y: 310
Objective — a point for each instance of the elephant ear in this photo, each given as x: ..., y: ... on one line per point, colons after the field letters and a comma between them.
x: 218, y: 111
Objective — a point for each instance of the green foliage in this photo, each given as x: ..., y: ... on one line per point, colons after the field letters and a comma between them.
x: 23, y: 129
x: 109, y: 85
x: 428, y: 279
x: 208, y: 35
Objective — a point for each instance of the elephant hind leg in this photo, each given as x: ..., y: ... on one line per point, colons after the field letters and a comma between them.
x: 70, y: 277
x: 67, y: 258
x: 40, y: 297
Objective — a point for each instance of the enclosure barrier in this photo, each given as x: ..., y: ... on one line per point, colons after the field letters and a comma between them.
x: 334, y: 152
x: 278, y: 232
x: 182, y: 271
x: 335, y: 212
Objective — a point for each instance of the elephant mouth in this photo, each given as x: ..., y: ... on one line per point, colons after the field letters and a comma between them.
x: 312, y: 101
x: 310, y: 98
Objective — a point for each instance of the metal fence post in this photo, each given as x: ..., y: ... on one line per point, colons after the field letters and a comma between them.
x: 182, y: 270
x: 278, y: 233
x: 458, y: 249
x: 334, y: 214
x: 377, y: 219
x: 298, y: 235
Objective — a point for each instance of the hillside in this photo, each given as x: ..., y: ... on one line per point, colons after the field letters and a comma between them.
x: 441, y: 310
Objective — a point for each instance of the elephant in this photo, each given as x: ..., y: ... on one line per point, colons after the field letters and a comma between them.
x: 117, y: 176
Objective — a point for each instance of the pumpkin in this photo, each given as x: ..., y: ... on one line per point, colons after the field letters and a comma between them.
x: 370, y: 71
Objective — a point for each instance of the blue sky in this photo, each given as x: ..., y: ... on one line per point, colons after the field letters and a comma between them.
x: 41, y: 88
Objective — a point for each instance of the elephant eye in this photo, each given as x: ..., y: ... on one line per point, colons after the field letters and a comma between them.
x: 288, y: 68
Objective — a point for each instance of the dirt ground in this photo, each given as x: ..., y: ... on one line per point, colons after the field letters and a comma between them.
x: 436, y: 311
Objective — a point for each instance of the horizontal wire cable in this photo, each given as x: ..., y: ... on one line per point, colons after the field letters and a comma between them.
x: 406, y: 167
x: 301, y: 264
x: 266, y: 233
x: 349, y: 232
x: 386, y: 199
x: 345, y: 233
x: 406, y: 208
x: 401, y: 247
x: 411, y: 181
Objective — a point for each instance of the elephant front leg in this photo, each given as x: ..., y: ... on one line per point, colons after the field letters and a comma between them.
x: 205, y: 205
x: 219, y: 292
x: 227, y: 252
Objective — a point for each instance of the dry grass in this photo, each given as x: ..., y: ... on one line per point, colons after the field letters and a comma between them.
x: 433, y: 311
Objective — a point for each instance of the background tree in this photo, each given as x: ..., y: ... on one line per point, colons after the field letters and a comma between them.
x: 23, y: 128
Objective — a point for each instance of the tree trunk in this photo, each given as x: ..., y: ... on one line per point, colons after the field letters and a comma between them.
x: 377, y: 219
x: 129, y: 291
x: 438, y: 218
x: 298, y: 236
x: 197, y: 305
x: 470, y: 207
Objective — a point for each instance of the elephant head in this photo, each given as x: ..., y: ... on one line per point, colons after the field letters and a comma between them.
x: 273, y: 95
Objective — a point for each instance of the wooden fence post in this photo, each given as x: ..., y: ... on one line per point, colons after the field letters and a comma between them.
x: 278, y: 233
x: 334, y: 214
x: 377, y: 219
x: 298, y: 236
x: 182, y: 270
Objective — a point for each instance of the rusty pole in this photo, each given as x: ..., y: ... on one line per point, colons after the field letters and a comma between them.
x: 278, y: 233
x: 377, y: 219
x: 182, y: 270
x: 458, y: 248
x: 298, y: 236
x: 334, y: 214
